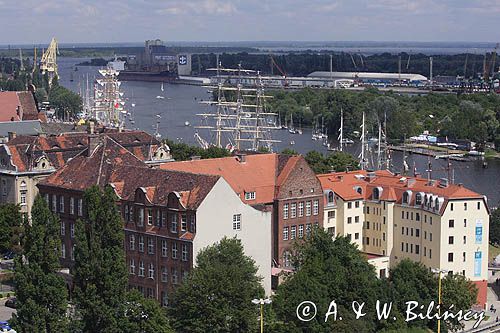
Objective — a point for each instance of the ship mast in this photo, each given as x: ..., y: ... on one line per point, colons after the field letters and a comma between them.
x: 363, y: 139
x: 341, y: 129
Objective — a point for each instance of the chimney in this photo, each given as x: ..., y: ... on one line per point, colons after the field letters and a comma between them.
x: 91, y: 128
x: 242, y: 157
x: 93, y: 143
x: 12, y: 135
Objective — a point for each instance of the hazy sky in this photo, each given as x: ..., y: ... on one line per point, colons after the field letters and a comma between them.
x: 36, y: 21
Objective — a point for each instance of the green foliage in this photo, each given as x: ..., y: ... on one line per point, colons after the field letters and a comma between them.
x: 216, y: 297
x: 288, y: 151
x: 11, y: 228
x: 145, y: 315
x: 328, y: 270
x: 460, y: 292
x: 495, y: 227
x: 66, y: 102
x: 183, y: 151
x: 41, y: 292
x: 336, y: 161
x: 100, y: 274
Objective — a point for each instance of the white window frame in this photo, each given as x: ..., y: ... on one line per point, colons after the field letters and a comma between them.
x: 151, y: 271
x: 183, y: 222
x: 285, y: 233
x: 150, y: 216
x: 250, y: 195
x: 63, y: 228
x: 132, y: 266
x: 131, y: 239
x: 301, y: 231
x: 173, y: 223
x: 301, y: 208
x: 285, y: 211
x: 164, y: 274
x: 164, y: 248
x: 141, y: 269
x: 293, y: 232
x: 293, y: 210
x: 308, y: 208
x: 72, y: 206
x: 237, y: 222
x: 141, y: 243
x: 184, y: 254
x: 174, y: 250
x: 151, y: 245
x: 80, y: 207
x: 316, y: 207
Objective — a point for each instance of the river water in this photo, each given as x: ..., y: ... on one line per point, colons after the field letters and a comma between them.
x: 181, y: 104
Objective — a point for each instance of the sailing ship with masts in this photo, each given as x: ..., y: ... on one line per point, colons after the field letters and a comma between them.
x: 238, y: 118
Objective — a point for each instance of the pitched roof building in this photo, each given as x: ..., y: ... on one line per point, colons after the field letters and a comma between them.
x: 19, y: 106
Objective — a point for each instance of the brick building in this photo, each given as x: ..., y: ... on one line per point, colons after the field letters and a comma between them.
x: 168, y: 216
x: 285, y: 184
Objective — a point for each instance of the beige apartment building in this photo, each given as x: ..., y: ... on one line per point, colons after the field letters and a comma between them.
x: 442, y: 225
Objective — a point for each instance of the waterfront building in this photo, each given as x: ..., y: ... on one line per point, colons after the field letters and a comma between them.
x: 439, y: 224
x: 19, y: 106
x: 26, y: 160
x: 168, y: 216
x: 283, y: 184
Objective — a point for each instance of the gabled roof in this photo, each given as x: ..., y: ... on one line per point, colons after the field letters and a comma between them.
x: 259, y: 173
x: 17, y: 106
x: 59, y: 149
x: 112, y: 164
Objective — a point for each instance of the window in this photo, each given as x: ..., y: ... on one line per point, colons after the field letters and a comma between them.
x: 465, y: 223
x: 164, y: 298
x: 308, y: 208
x: 349, y: 205
x: 164, y: 248
x: 249, y: 195
x: 174, y: 276
x: 150, y: 216
x: 450, y: 257
x: 356, y: 235
x: 54, y: 203
x: 164, y: 274
x: 141, y: 243
x: 151, y: 247
x: 174, y: 250
x: 430, y: 236
x: 72, y: 229
x: 237, y: 222
x: 131, y: 242
x: 349, y: 220
x: 132, y: 267
x: 131, y: 213
x: 417, y: 249
x: 72, y: 253
x: 72, y: 206
x: 61, y: 204
x: 383, y: 236
x: 150, y: 293
x: 356, y: 219
x: 465, y: 239
x: 301, y: 231
x: 141, y: 268
x: 293, y: 210
x: 293, y: 232
x: 402, y: 214
x: 451, y: 223
x: 308, y: 229
x: 418, y: 199
x: 285, y: 233
x: 417, y: 232
x: 163, y: 218
x: 417, y: 216
x: 23, y: 192
x: 183, y: 222
x: 331, y: 214
x: 286, y: 259
x: 151, y: 271
x: 63, y: 250
x: 80, y: 207
x: 464, y: 255
x: 451, y: 240
x: 141, y: 217
x: 331, y: 196
x: 63, y: 228
x: 479, y: 205
x: 184, y: 252
x: 285, y: 211
x: 173, y: 222
x: 451, y: 206
x: 406, y: 197
x: 157, y: 217
x: 465, y: 205
x: 376, y: 194
x: 430, y: 253
x: 356, y: 204
x: 192, y: 221
x: 402, y: 246
x: 367, y: 209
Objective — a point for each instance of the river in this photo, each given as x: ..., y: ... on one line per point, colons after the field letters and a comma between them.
x: 181, y: 104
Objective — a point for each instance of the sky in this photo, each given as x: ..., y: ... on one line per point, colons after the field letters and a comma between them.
x: 80, y: 21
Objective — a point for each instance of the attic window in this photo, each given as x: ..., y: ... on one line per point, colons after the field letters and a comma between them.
x: 376, y: 194
x: 331, y: 197
x: 418, y: 199
x: 359, y: 190
x: 249, y: 195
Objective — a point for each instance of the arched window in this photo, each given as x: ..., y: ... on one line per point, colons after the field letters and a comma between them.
x: 436, y: 203
x: 406, y: 197
x: 331, y: 197
x: 376, y: 193
x: 418, y: 199
x: 359, y: 190
x: 22, y: 192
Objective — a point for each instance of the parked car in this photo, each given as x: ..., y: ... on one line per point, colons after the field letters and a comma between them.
x: 5, y: 327
x: 9, y: 255
x: 11, y: 302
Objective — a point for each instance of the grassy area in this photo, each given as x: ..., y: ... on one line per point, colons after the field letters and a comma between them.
x: 490, y: 153
x: 493, y: 252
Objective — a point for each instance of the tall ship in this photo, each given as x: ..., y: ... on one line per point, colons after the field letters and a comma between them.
x: 238, y: 118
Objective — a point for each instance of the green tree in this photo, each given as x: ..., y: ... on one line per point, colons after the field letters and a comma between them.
x: 100, y: 274
x: 217, y: 295
x: 495, y: 227
x: 145, y: 315
x: 66, y: 102
x: 459, y: 292
x: 328, y: 269
x: 11, y: 228
x: 336, y: 161
x: 41, y: 292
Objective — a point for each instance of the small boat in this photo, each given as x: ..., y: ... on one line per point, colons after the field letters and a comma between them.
x: 186, y: 123
x: 162, y: 87
x: 133, y: 105
x: 158, y: 115
x: 160, y: 97
x: 292, y: 142
x: 299, y: 131
x: 347, y: 141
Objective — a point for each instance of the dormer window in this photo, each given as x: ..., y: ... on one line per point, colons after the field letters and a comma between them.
x: 418, y: 199
x: 249, y: 195
x: 406, y: 197
x: 436, y: 204
x: 331, y: 197
x: 377, y: 192
x: 359, y: 190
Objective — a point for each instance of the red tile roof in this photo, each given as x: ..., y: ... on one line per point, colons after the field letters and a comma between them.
x: 259, y: 173
x: 344, y: 184
x: 18, y: 105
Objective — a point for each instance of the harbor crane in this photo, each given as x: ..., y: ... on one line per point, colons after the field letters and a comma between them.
x: 48, y: 64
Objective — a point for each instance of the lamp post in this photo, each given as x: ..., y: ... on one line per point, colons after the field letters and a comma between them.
x: 439, y: 272
x: 261, y: 302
